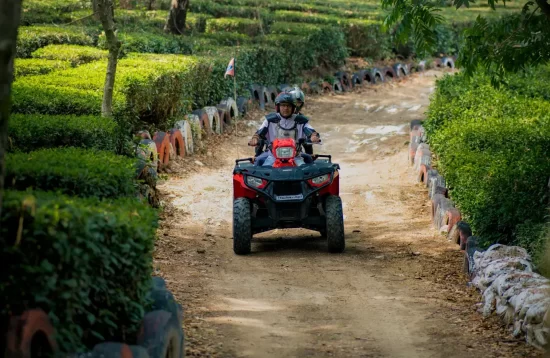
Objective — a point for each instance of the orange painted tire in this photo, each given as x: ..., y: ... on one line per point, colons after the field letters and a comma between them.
x: 412, y: 152
x: 422, y: 176
x: 452, y: 217
x: 178, y: 143
x: 118, y: 350
x: 327, y: 87
x: 28, y: 332
x: 162, y: 140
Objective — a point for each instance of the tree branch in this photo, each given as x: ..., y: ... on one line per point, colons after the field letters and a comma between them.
x: 544, y: 7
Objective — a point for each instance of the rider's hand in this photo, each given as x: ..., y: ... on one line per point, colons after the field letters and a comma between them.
x: 253, y: 142
x: 315, y: 138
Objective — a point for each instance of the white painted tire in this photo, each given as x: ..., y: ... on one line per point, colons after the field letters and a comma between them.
x: 231, y: 107
x: 214, y: 119
x: 185, y: 129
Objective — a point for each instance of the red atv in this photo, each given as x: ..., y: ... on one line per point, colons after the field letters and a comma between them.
x: 287, y: 195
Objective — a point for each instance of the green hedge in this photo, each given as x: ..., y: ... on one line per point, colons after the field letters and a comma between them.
x: 366, y: 38
x: 494, y: 150
x: 28, y: 132
x: 35, y: 66
x: 31, y: 38
x: 227, y: 24
x: 50, y: 11
x: 75, y: 54
x: 294, y: 28
x: 305, y: 17
x: 149, y: 88
x: 148, y: 42
x: 72, y: 171
x: 86, y: 262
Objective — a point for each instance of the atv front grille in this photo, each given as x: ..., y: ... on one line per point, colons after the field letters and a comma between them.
x: 287, y: 188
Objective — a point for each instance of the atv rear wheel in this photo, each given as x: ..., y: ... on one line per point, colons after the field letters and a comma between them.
x: 335, y: 224
x: 242, y: 231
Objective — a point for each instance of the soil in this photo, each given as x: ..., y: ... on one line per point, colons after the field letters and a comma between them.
x: 396, y: 291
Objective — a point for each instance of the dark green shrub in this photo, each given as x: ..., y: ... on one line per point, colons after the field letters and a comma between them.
x: 196, y: 22
x: 75, y: 54
x: 305, y: 17
x: 72, y: 171
x: 28, y: 132
x: 31, y: 38
x: 86, y: 262
x: 365, y: 38
x: 35, y: 66
x: 227, y: 24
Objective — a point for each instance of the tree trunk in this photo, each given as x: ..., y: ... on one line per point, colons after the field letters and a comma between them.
x: 105, y: 9
x: 175, y: 23
x: 10, y: 16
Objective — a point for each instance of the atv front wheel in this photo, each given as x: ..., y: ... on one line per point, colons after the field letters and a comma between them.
x: 335, y: 224
x: 242, y: 231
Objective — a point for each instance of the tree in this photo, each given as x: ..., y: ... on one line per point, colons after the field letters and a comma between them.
x: 508, y: 44
x: 175, y: 23
x: 10, y: 16
x: 105, y: 10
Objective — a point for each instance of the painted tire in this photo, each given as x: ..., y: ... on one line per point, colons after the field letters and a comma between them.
x: 162, y: 140
x: 24, y: 330
x: 214, y: 120
x: 185, y: 129
x: 177, y: 142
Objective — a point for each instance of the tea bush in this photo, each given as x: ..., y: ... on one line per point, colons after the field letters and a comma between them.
x: 35, y: 66
x: 72, y: 171
x: 28, y: 132
x: 228, y: 24
x: 31, y: 38
x: 493, y: 147
x: 75, y: 54
x: 85, y: 262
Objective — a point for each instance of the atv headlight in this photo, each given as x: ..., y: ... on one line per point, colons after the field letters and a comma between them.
x: 255, y: 182
x: 285, y: 152
x: 320, y: 180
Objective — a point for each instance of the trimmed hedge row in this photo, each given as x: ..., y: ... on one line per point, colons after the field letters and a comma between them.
x: 147, y: 42
x: 49, y: 11
x: 494, y: 151
x: 28, y: 132
x: 86, y: 262
x: 31, y: 38
x: 75, y: 54
x: 234, y: 24
x: 73, y: 171
x: 35, y: 66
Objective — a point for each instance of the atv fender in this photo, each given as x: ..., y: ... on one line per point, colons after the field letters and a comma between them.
x: 333, y: 188
x: 240, y: 190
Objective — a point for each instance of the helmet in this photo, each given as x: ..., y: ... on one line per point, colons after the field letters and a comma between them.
x: 285, y: 97
x: 299, y: 95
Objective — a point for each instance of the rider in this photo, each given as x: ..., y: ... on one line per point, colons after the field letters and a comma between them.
x: 283, y: 124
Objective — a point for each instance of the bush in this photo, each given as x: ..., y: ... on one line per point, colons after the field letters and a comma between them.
x: 147, y: 42
x: 72, y: 171
x: 365, y: 38
x: 85, y: 262
x: 196, y: 22
x: 228, y: 24
x: 35, y: 66
x: 30, y: 132
x: 75, y: 54
x: 493, y: 148
x: 31, y: 38
x: 148, y: 87
x: 293, y: 28
x: 49, y: 11
x: 305, y: 17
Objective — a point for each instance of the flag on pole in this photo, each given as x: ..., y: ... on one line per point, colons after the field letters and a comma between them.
x: 230, y: 69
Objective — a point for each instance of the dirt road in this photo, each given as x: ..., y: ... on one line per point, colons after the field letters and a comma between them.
x: 396, y: 291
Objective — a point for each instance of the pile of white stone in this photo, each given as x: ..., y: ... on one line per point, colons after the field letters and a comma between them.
x: 505, y: 275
